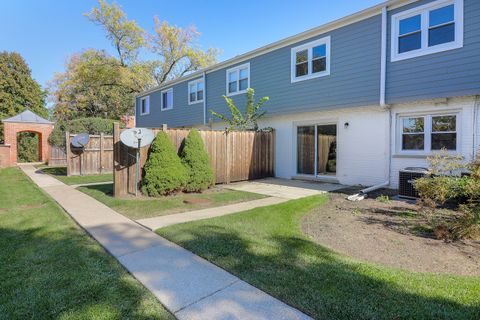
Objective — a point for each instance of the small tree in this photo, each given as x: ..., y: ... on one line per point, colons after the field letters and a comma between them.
x: 197, y: 162
x: 240, y: 121
x: 164, y: 172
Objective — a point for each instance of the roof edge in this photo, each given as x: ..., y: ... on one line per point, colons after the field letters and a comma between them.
x: 327, y: 27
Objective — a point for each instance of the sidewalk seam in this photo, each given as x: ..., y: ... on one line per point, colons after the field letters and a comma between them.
x: 207, y: 296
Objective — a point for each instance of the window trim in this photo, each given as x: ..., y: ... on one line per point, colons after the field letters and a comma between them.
x: 309, y: 46
x: 195, y: 82
x: 161, y: 99
x: 427, y: 131
x: 147, y: 105
x: 237, y: 69
x: 424, y: 12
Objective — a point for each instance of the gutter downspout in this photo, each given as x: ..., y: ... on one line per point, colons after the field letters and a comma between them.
x: 383, y: 76
x: 476, y: 108
x: 383, y: 58
x: 204, y: 98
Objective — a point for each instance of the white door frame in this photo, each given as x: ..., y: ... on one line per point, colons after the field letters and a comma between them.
x: 315, y: 123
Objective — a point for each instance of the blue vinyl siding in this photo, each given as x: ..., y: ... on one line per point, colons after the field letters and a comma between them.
x: 181, y: 115
x: 439, y: 75
x: 353, y: 81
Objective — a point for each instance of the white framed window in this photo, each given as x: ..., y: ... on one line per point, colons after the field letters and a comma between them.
x: 427, y: 29
x: 238, y: 79
x: 426, y: 133
x: 145, y: 105
x: 195, y: 91
x: 310, y: 60
x: 167, y: 99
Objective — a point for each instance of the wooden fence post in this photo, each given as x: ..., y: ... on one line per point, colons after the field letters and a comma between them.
x: 118, y: 181
x: 68, y: 152
x: 228, y: 158
x: 102, y: 143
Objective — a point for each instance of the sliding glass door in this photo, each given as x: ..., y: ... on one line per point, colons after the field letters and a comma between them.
x: 317, y: 150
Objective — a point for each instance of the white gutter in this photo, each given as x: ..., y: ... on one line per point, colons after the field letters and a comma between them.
x: 204, y: 97
x: 383, y: 58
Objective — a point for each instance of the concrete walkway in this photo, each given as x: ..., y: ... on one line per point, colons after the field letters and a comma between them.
x: 187, y: 285
x: 163, y: 221
x: 278, y: 190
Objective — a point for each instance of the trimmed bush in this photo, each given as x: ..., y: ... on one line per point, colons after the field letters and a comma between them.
x: 164, y: 171
x: 197, y: 162
x: 89, y: 125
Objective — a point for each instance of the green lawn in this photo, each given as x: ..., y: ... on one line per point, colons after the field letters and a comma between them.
x: 266, y: 248
x: 60, y: 173
x: 151, y: 207
x: 50, y: 269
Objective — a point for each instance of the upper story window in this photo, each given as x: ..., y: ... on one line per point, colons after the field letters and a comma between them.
x: 425, y: 133
x: 238, y: 79
x: 311, y: 60
x: 431, y: 28
x: 195, y: 91
x: 144, y: 105
x: 167, y: 99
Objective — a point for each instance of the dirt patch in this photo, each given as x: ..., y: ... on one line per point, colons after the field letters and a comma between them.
x: 3, y: 210
x: 31, y: 206
x: 388, y: 232
x: 197, y: 201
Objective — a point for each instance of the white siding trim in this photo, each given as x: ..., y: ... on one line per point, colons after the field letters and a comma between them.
x: 161, y: 99
x: 237, y: 68
x: 427, y: 115
x: 308, y: 46
x: 147, y: 105
x: 425, y: 49
x: 195, y: 82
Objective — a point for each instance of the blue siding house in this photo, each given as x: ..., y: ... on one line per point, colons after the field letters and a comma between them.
x: 353, y: 101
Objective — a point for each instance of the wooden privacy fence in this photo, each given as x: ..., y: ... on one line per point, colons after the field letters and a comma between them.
x: 95, y: 158
x: 58, y: 156
x: 235, y: 156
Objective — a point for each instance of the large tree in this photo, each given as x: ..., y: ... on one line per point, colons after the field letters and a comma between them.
x: 18, y: 90
x: 96, y: 84
x: 177, y: 51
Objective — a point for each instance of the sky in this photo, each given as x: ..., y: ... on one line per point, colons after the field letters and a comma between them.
x: 47, y: 32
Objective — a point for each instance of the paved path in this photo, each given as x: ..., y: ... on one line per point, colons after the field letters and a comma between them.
x: 163, y: 221
x: 283, y: 188
x: 189, y: 286
x: 278, y: 190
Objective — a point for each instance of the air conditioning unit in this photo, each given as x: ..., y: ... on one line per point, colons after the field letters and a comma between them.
x: 406, y: 178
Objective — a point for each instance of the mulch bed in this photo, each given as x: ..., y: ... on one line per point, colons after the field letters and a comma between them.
x: 389, y: 233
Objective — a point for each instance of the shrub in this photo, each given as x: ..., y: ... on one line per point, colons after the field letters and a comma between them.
x: 443, y: 186
x: 164, y: 171
x: 27, y: 150
x: 89, y: 125
x: 197, y: 162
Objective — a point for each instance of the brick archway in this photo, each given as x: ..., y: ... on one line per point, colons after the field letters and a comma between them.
x: 27, y: 121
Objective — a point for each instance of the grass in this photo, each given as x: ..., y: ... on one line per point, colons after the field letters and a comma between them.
x: 151, y: 207
x: 60, y: 173
x: 266, y: 248
x: 50, y: 269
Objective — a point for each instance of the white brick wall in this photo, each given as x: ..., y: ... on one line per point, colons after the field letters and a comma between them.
x: 363, y: 146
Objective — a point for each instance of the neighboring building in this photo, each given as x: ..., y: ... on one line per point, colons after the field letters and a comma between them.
x: 352, y: 101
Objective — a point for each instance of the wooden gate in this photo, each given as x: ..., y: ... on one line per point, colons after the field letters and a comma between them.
x: 95, y: 158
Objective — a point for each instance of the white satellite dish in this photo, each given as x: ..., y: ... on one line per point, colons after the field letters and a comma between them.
x: 137, y: 138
